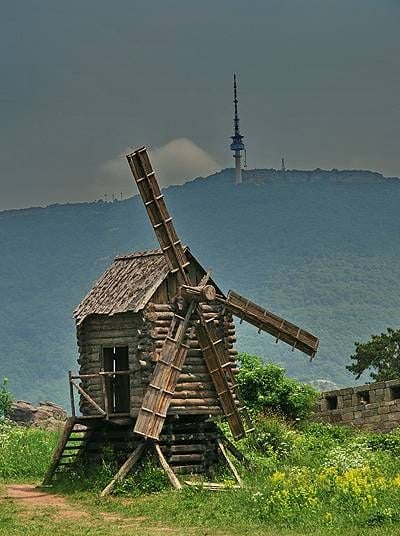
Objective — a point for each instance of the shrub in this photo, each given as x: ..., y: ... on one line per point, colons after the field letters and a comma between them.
x: 266, y: 387
x: 271, y: 436
x: 6, y: 399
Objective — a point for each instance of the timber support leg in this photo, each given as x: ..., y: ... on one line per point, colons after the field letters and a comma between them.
x: 235, y: 452
x: 230, y: 464
x: 164, y: 464
x: 125, y: 468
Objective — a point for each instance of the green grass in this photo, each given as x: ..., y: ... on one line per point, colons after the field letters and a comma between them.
x: 311, y: 478
x: 25, y: 453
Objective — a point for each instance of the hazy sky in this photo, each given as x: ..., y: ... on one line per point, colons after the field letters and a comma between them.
x: 81, y: 81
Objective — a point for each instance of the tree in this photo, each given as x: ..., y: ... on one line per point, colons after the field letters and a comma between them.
x: 380, y: 355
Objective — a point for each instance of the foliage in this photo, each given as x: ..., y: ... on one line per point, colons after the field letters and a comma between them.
x: 380, y: 356
x: 266, y: 387
x: 6, y: 400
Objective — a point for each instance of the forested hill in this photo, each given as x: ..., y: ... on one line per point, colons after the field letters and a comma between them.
x: 320, y: 248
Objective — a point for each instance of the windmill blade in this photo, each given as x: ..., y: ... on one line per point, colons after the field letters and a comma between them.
x: 271, y: 323
x: 161, y: 388
x: 219, y: 367
x: 154, y: 203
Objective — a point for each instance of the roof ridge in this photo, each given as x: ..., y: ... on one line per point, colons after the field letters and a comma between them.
x: 138, y: 254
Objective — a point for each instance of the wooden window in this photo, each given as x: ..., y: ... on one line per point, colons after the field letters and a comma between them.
x: 118, y: 390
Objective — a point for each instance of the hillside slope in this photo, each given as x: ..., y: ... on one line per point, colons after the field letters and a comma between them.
x: 320, y: 249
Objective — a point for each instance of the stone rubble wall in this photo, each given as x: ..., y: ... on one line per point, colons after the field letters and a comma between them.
x: 374, y: 406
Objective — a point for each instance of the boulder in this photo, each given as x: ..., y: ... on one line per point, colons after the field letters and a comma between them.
x: 46, y: 415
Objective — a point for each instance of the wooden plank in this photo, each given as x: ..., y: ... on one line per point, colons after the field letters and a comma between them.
x: 89, y: 399
x: 230, y: 464
x: 157, y: 211
x: 164, y: 464
x: 274, y: 325
x: 125, y: 468
x: 214, y: 355
x: 162, y: 384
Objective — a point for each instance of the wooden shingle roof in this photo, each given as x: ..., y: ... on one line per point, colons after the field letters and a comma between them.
x: 126, y: 285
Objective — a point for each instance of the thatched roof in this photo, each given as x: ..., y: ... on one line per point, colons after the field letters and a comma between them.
x: 126, y: 285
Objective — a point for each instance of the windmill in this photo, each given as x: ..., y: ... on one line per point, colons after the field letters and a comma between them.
x: 155, y: 336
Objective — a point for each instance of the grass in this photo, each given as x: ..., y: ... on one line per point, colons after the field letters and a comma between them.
x: 314, y: 478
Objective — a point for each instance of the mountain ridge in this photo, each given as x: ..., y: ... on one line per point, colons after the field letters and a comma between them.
x: 321, y: 253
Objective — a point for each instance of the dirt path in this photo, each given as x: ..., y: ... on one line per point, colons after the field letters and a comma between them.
x: 29, y: 497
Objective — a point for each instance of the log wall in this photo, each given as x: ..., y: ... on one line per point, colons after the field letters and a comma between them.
x: 144, y: 334
x: 99, y: 331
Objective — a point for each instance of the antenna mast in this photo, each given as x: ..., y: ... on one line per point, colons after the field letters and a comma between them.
x: 237, y: 145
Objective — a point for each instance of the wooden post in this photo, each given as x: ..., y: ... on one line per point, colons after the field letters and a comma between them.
x: 164, y: 464
x: 105, y: 394
x: 125, y: 468
x: 71, y: 394
x: 228, y: 461
x: 69, y: 424
x: 233, y: 450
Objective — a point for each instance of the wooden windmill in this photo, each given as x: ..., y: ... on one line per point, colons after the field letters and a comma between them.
x: 155, y: 337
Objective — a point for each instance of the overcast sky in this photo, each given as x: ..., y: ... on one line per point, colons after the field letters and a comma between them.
x: 83, y: 80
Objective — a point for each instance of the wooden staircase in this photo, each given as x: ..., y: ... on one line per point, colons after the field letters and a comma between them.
x: 70, y: 448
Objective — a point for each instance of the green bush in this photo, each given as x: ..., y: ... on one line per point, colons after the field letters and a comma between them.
x: 265, y: 387
x: 271, y: 435
x: 6, y: 400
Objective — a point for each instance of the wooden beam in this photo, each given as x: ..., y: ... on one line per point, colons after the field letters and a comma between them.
x: 164, y: 464
x: 230, y: 464
x: 125, y: 468
x: 89, y: 399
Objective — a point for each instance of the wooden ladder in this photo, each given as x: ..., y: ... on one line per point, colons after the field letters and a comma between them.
x: 69, y: 448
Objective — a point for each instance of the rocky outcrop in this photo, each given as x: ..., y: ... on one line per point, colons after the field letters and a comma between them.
x: 46, y: 415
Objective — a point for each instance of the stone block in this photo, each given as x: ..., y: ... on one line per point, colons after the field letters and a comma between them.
x: 359, y: 407
x: 383, y: 409
x: 344, y: 392
x: 372, y: 419
x: 347, y: 402
x: 348, y: 416
x: 379, y: 385
x: 370, y: 412
x: 391, y: 383
x: 362, y: 388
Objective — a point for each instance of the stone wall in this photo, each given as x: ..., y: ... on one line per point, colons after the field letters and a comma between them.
x: 374, y: 406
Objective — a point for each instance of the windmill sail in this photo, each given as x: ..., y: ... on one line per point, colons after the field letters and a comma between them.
x: 157, y: 210
x: 271, y: 323
x: 219, y: 368
x: 160, y: 391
